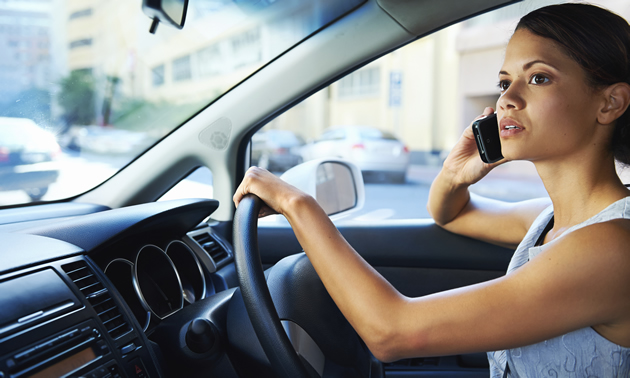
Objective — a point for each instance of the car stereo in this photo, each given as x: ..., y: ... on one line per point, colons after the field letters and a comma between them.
x: 64, y: 320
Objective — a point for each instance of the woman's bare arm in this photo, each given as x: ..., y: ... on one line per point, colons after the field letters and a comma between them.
x: 551, y: 295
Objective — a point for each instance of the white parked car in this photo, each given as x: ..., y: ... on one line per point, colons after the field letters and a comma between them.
x: 379, y: 154
x: 27, y: 152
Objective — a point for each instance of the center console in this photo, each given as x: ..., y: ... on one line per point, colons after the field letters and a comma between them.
x: 62, y: 319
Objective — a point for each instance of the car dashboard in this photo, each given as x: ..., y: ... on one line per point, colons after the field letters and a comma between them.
x: 83, y: 295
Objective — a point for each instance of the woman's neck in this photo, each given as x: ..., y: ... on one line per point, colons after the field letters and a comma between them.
x: 580, y: 188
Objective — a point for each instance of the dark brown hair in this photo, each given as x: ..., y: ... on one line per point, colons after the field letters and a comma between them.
x: 599, y: 41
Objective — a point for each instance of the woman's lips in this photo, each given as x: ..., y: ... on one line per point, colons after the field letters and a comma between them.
x: 509, y: 127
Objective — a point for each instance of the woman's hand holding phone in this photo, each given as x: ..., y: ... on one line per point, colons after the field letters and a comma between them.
x: 463, y: 163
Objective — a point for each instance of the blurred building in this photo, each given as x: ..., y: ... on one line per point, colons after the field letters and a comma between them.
x: 95, y: 32
x: 410, y: 92
x: 427, y: 92
x: 220, y: 45
x: 179, y: 71
x: 25, y: 39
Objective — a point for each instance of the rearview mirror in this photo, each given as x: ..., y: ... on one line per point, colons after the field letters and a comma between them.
x: 172, y: 12
x: 336, y: 184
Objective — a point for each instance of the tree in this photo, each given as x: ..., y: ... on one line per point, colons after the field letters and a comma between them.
x: 77, y: 98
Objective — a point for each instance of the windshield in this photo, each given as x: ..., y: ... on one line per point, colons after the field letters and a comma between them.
x: 85, y: 88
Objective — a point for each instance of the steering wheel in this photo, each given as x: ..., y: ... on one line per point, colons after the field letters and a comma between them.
x: 301, y: 299
x: 262, y: 313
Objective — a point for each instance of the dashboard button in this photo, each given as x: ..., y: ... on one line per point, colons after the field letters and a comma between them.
x: 113, y: 370
x: 101, y: 371
x: 137, y: 367
x: 102, y: 347
x: 10, y: 363
x: 128, y: 348
x: 71, y: 334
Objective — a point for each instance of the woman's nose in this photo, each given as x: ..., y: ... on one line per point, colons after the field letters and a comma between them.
x: 512, y: 98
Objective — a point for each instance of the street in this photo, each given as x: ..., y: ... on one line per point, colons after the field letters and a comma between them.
x: 409, y: 200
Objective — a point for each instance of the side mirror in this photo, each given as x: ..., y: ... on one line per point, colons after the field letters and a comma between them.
x: 172, y: 12
x: 336, y: 184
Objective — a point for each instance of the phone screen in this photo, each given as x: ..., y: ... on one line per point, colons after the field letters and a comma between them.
x: 486, y: 131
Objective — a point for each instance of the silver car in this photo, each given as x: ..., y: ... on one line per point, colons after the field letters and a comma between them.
x: 276, y: 150
x: 379, y: 154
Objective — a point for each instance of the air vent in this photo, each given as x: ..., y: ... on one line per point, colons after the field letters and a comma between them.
x: 99, y: 298
x: 212, y: 247
x: 209, y: 247
x: 83, y: 277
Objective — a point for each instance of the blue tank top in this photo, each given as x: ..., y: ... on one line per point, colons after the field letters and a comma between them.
x: 581, y: 353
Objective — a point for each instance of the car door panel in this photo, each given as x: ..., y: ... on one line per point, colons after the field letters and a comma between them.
x: 408, y: 243
x: 418, y: 258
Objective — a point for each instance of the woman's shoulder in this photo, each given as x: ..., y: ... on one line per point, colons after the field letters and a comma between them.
x: 588, y: 270
x: 602, y: 258
x: 608, y: 236
x: 613, y: 234
x: 602, y: 247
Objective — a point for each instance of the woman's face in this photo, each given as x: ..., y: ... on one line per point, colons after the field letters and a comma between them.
x: 546, y: 109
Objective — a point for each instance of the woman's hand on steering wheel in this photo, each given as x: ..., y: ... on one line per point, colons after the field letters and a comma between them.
x: 274, y: 192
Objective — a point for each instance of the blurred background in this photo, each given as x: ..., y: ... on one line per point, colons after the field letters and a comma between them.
x: 99, y: 89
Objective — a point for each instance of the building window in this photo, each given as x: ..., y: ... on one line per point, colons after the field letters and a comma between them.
x: 81, y: 13
x: 210, y: 61
x: 181, y: 68
x: 362, y: 83
x: 80, y: 43
x: 158, y: 75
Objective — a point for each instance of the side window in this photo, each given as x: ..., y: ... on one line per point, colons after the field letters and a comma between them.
x: 398, y: 117
x: 198, y: 184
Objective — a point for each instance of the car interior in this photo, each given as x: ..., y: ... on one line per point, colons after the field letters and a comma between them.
x: 118, y: 282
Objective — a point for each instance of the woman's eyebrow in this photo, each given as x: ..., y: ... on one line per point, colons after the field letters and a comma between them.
x: 528, y: 65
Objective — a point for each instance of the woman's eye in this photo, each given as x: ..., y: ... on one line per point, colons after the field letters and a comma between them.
x: 503, y: 85
x: 538, y: 79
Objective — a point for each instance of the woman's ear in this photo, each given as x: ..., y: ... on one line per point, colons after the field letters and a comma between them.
x: 616, y: 101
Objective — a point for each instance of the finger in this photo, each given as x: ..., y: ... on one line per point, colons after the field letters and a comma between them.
x: 497, y: 163
x: 486, y: 112
x: 243, y: 187
x: 238, y: 195
x: 265, y: 211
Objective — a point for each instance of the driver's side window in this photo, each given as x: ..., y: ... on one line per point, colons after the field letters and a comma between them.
x: 398, y: 117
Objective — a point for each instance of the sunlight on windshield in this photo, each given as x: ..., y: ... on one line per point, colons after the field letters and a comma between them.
x: 85, y: 88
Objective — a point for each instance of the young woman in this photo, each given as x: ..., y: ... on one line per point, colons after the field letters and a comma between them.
x: 564, y: 306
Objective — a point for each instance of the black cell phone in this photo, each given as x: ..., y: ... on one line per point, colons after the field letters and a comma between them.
x: 486, y: 131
